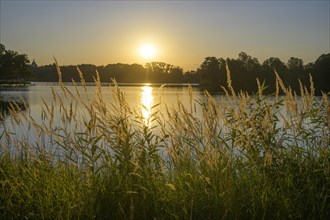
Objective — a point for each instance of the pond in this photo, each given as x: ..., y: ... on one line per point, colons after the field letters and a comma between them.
x: 51, y: 106
x: 141, y: 98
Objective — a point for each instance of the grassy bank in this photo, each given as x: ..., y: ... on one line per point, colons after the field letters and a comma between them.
x: 247, y: 160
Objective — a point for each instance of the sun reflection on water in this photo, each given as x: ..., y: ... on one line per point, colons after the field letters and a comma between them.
x: 147, y: 102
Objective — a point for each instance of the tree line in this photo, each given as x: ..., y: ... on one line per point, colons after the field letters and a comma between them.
x: 246, y: 69
x: 154, y: 72
x: 210, y: 75
x: 13, y: 66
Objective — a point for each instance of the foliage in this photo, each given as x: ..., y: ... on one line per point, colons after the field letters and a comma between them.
x: 246, y: 69
x: 13, y: 66
x: 211, y: 74
x: 155, y: 72
x: 163, y: 73
x: 258, y: 157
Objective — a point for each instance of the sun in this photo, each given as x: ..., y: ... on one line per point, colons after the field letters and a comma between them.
x: 147, y: 51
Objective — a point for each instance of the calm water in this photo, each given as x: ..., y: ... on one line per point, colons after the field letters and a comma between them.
x: 140, y: 98
x: 137, y: 96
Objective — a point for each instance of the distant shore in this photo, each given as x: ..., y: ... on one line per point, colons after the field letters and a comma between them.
x: 122, y: 84
x: 13, y: 83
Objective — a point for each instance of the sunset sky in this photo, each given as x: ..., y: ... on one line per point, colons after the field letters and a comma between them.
x: 181, y: 33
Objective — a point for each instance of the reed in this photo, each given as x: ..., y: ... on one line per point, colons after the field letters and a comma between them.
x: 250, y: 159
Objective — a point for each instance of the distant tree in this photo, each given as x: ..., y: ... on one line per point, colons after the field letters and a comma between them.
x: 176, y: 75
x: 88, y: 70
x: 2, y: 53
x: 21, y: 63
x: 136, y: 73
x: 269, y: 66
x: 295, y: 64
x: 274, y: 63
x: 209, y: 70
x: 160, y: 72
x: 295, y: 73
x: 309, y: 67
x: 211, y: 74
x: 2, y: 49
x: 321, y: 74
x: 191, y: 76
x: 46, y: 73
x: 249, y: 63
x: 34, y: 64
x: 13, y: 66
x: 244, y: 71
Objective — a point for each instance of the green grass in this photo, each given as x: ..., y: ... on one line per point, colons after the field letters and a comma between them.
x: 247, y: 160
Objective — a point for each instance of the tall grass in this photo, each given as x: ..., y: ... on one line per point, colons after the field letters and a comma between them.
x: 258, y: 158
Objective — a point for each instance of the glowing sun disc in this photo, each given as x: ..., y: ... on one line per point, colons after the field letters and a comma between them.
x: 147, y: 51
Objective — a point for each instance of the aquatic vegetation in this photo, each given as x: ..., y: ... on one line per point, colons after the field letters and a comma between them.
x: 258, y: 157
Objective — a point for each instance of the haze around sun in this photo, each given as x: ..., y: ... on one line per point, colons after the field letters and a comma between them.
x: 180, y: 33
x: 147, y: 51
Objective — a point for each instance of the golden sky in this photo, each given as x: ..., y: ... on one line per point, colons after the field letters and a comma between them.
x: 181, y: 33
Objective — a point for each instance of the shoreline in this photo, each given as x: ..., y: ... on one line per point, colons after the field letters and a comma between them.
x: 14, y: 83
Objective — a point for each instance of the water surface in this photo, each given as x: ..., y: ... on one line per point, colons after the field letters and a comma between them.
x: 33, y: 101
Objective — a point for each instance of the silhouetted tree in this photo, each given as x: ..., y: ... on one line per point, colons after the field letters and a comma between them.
x: 191, y: 76
x: 243, y: 72
x: 13, y: 66
x: 249, y: 63
x: 137, y: 73
x: 2, y: 49
x: 295, y: 64
x: 321, y: 74
x: 269, y: 66
x: 160, y: 72
x: 212, y: 73
x: 274, y: 63
x: 295, y: 73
